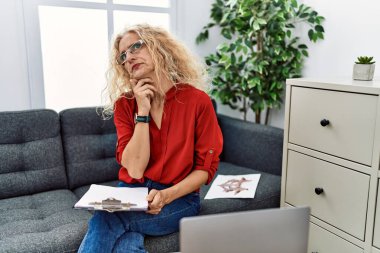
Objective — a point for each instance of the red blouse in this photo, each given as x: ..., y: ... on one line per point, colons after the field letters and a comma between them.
x: 189, y: 139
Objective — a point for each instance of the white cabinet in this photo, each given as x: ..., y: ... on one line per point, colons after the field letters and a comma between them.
x: 348, y: 115
x: 306, y: 175
x: 331, y: 161
x: 322, y: 241
x: 376, y: 238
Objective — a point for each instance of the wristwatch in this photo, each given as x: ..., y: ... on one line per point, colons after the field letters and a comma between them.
x: 143, y: 119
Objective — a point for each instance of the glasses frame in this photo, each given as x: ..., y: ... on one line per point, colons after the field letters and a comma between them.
x: 130, y: 50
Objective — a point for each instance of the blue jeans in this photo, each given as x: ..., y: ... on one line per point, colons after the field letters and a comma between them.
x: 125, y: 231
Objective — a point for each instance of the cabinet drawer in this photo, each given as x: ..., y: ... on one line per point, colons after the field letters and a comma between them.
x: 343, y: 202
x: 322, y: 241
x: 351, y: 128
x: 376, y: 235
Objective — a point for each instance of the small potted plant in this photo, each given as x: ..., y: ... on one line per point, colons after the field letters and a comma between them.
x: 364, y: 68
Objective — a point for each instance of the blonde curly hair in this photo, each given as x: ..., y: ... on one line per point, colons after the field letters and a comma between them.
x: 172, y: 61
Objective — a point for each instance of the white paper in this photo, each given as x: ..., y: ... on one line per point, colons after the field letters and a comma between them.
x: 234, y: 186
x: 98, y: 193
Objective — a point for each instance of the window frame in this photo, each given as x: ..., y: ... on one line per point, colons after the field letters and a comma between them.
x: 33, y: 35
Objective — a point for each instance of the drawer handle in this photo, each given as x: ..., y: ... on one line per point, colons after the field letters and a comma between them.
x: 325, y: 122
x: 318, y: 190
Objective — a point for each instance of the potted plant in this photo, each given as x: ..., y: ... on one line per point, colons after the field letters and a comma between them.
x: 262, y: 51
x: 364, y: 68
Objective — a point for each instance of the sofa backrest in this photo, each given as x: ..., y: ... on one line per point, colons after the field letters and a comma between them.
x: 31, y: 155
x: 89, y: 144
x: 251, y: 145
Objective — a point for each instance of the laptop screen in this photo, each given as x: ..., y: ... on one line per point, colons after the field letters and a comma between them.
x: 263, y: 231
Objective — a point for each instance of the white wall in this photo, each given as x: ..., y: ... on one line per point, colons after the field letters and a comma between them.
x: 352, y: 29
x: 14, y: 87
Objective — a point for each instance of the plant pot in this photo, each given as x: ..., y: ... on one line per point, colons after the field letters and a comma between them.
x: 363, y: 72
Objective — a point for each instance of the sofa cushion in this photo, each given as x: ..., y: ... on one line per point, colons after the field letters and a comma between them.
x: 89, y: 144
x: 43, y: 222
x: 30, y: 153
x: 267, y: 194
x: 254, y: 146
x: 80, y: 191
x: 162, y: 244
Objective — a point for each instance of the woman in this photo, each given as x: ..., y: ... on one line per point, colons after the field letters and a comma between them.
x: 168, y: 137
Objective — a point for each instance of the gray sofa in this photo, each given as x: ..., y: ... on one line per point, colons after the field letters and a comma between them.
x: 48, y: 161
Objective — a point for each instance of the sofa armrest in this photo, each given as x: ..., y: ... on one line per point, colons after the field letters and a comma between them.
x: 252, y: 145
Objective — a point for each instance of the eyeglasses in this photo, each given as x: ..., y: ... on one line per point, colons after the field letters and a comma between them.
x: 122, y: 58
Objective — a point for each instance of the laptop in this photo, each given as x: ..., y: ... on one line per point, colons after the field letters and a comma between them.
x: 263, y: 231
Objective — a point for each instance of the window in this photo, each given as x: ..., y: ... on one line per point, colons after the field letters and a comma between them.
x: 155, y: 3
x: 68, y: 45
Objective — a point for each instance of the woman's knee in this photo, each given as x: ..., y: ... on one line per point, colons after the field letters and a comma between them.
x: 107, y: 223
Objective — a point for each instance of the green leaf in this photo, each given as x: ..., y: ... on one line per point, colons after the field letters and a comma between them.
x: 260, y: 89
x: 261, y: 13
x: 306, y: 9
x: 231, y: 3
x: 288, y: 33
x: 255, y: 26
x: 319, y: 28
x: 253, y: 82
x: 301, y: 8
x: 233, y: 59
x: 260, y: 69
x: 315, y: 37
x: 273, y: 85
x: 305, y: 53
x: 294, y: 3
x: 273, y: 96
x: 225, y: 18
x: 202, y: 37
x: 224, y: 59
x: 310, y: 34
x: 304, y: 15
x: 319, y: 19
x: 222, y: 47
x: 261, y: 21
x: 251, y: 21
x: 245, y: 50
x: 226, y: 34
x: 248, y: 42
x: 302, y: 46
x: 320, y: 35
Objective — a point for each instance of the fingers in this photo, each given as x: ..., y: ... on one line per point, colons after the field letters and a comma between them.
x: 154, y: 211
x: 143, y: 88
x: 155, y: 201
x: 151, y: 195
x: 133, y: 82
x: 145, y: 83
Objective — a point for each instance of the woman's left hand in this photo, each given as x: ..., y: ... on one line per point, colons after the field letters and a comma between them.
x: 156, y: 201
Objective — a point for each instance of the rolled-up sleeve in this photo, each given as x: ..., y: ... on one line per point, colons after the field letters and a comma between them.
x: 123, y: 120
x: 208, y: 139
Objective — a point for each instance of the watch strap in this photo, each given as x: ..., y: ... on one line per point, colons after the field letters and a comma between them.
x: 143, y: 119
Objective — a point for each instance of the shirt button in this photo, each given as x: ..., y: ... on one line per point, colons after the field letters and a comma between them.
x: 211, y: 151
